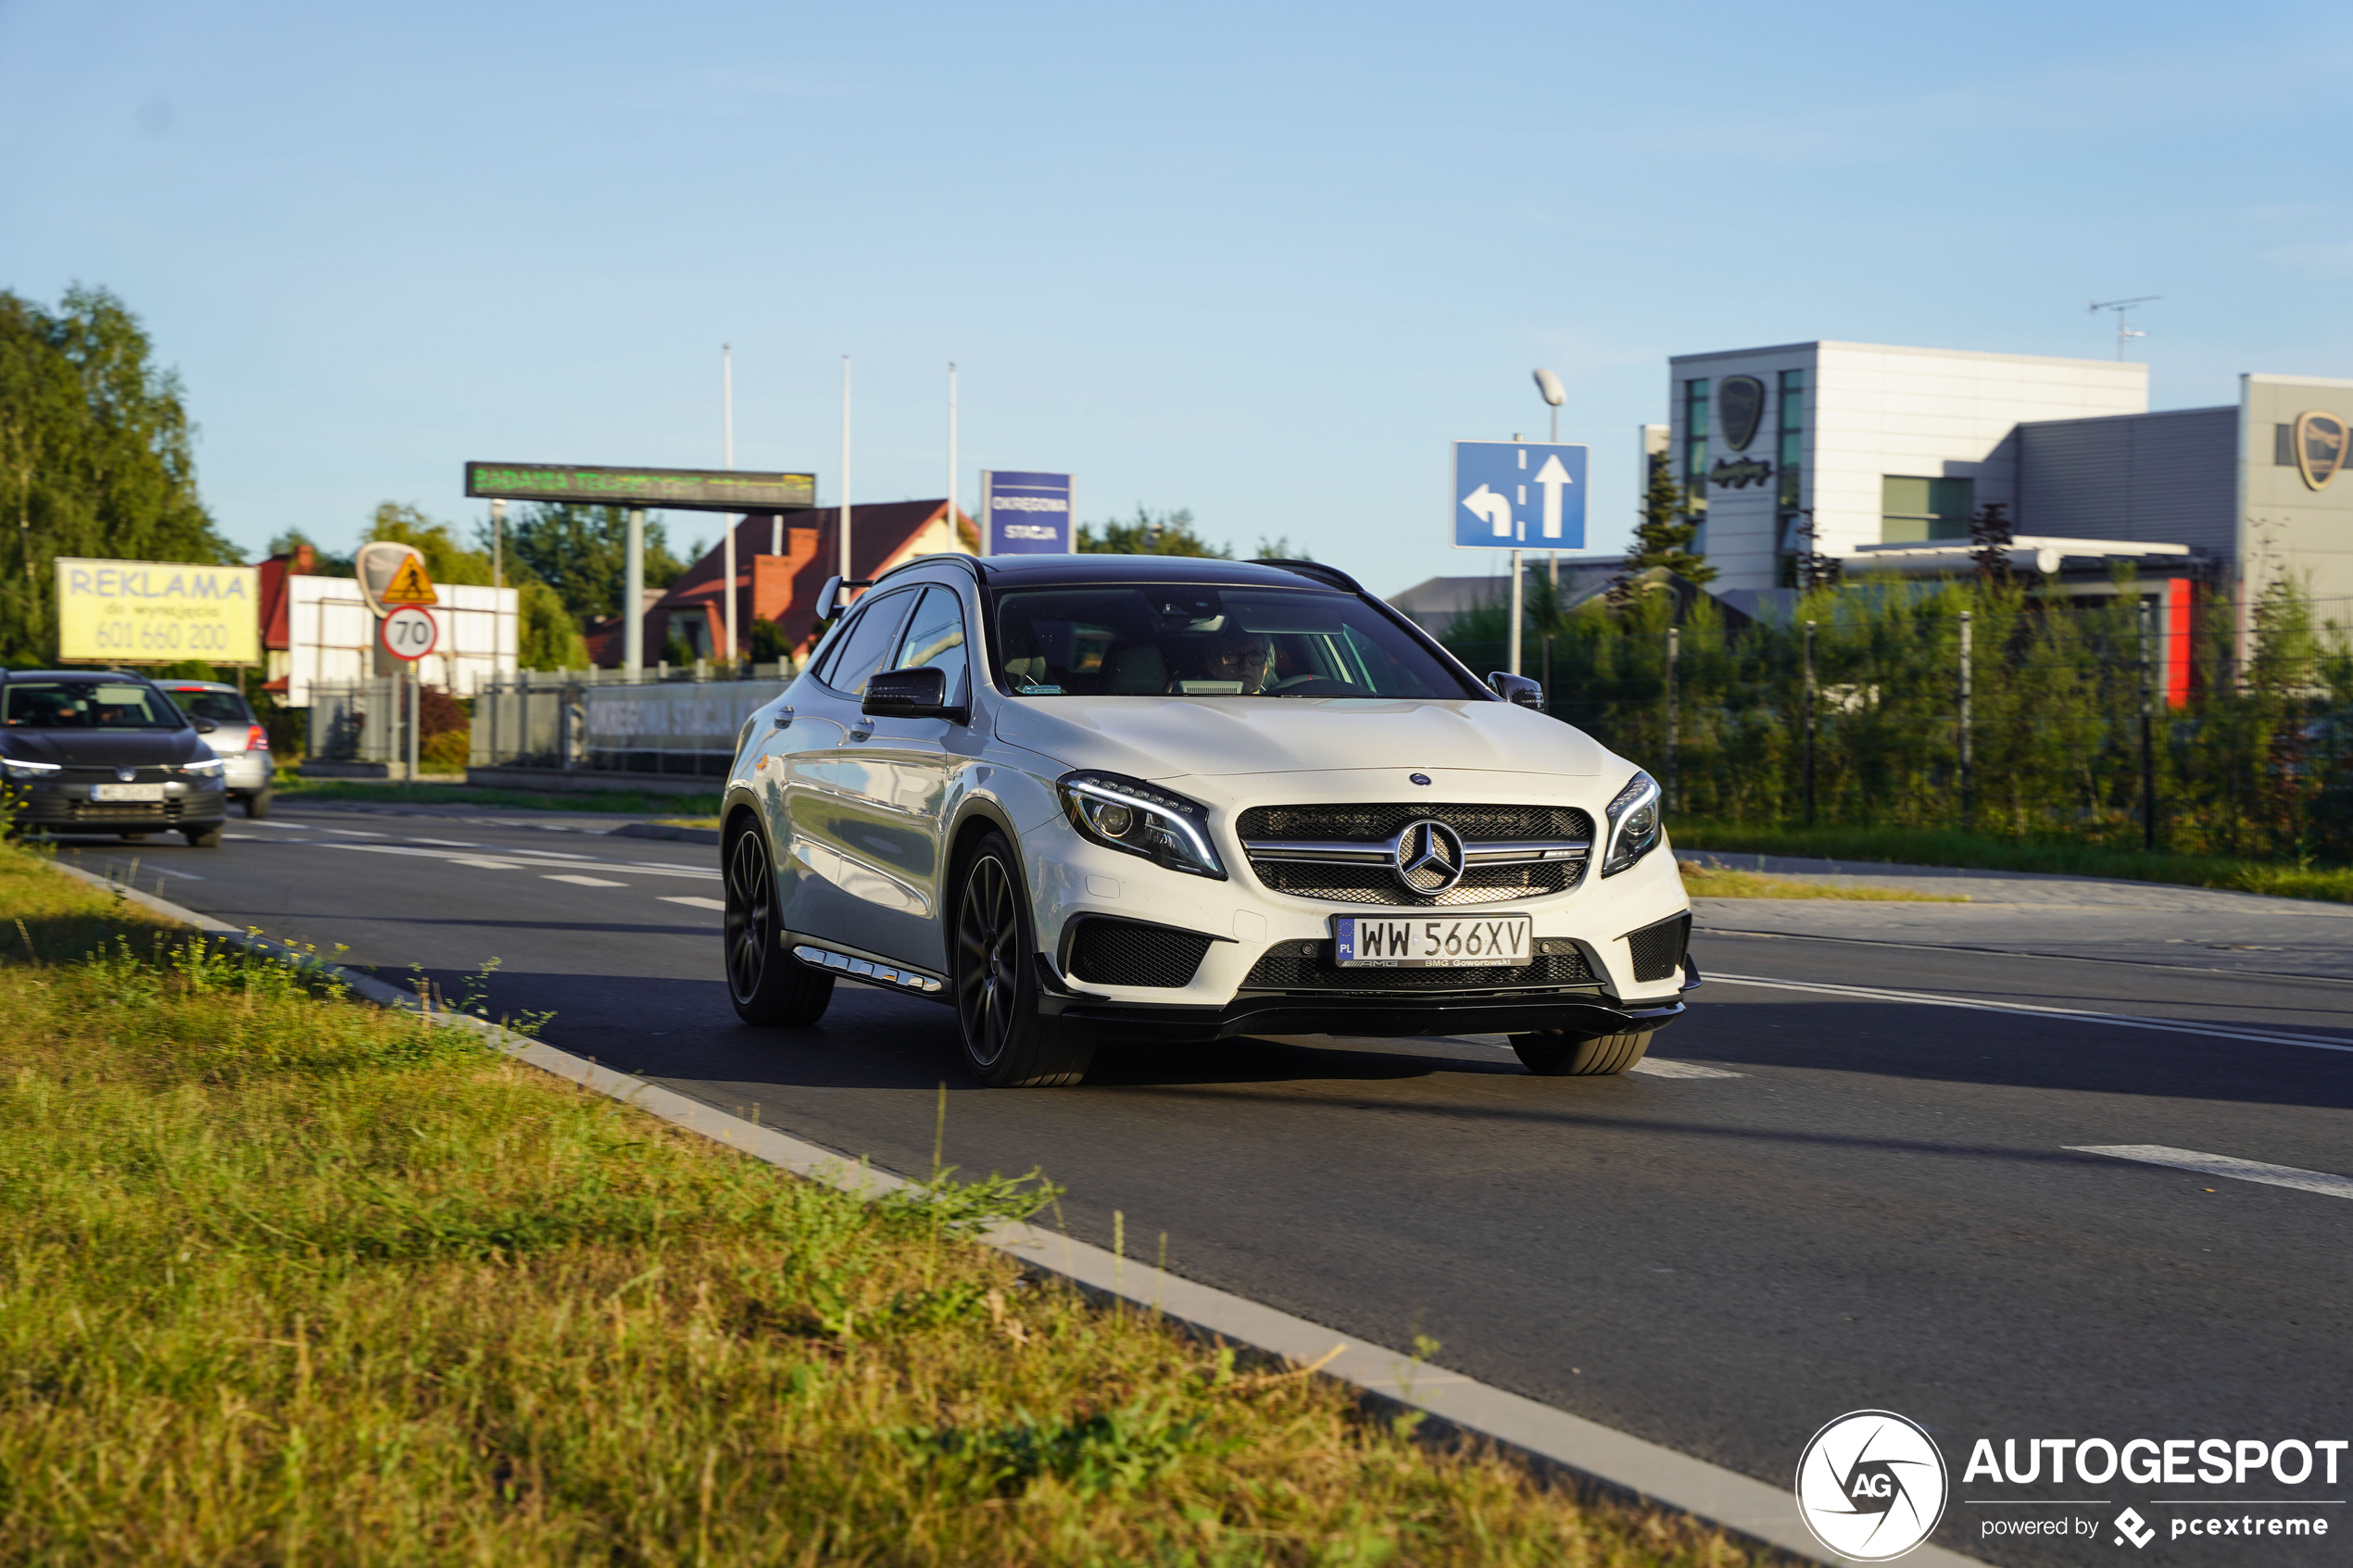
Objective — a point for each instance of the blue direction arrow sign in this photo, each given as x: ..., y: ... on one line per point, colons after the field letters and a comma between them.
x: 1518, y: 495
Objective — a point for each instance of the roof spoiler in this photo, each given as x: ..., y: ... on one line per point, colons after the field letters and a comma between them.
x: 828, y: 597
x: 1315, y: 569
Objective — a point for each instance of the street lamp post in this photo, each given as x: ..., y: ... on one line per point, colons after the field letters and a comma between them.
x: 1554, y: 394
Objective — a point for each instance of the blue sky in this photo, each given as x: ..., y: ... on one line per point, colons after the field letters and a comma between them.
x: 1263, y: 261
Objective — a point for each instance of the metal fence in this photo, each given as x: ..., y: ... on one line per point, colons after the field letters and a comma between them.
x: 2228, y: 729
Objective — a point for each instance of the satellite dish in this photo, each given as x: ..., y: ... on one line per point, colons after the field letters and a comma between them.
x: 1550, y: 386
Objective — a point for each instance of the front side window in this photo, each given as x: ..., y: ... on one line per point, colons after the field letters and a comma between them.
x: 861, y: 646
x: 1155, y: 639
x: 935, y: 639
x: 85, y: 705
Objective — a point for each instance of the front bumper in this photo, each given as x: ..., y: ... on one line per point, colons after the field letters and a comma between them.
x: 67, y: 808
x: 1583, y: 1011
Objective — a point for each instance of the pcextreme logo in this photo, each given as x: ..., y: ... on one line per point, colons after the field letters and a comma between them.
x: 1871, y: 1486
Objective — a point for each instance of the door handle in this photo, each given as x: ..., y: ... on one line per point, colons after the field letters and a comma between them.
x: 865, y: 734
x: 784, y: 717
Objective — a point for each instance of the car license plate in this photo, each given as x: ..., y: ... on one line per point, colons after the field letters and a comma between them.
x: 126, y: 792
x: 1450, y: 941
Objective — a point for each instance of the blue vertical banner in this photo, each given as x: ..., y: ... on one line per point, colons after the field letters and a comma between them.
x: 1518, y: 495
x: 1027, y: 514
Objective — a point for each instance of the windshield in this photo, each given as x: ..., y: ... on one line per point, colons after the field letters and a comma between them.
x: 85, y: 705
x: 221, y: 708
x: 1188, y: 639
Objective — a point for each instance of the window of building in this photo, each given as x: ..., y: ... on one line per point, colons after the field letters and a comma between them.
x: 1793, y: 452
x: 1917, y: 510
x: 1695, y: 445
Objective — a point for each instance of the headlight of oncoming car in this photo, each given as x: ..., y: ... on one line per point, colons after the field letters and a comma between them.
x: 17, y: 769
x: 1633, y: 825
x: 1124, y: 813
x: 206, y: 766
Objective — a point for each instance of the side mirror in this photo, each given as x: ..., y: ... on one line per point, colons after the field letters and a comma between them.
x: 917, y: 692
x: 1518, y: 689
x: 204, y: 726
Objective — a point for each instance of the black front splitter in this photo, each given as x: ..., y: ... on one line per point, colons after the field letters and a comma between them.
x: 1376, y: 1018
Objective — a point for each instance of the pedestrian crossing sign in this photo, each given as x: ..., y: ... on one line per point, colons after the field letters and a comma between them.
x: 409, y: 585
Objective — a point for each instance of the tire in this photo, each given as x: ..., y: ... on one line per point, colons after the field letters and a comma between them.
x: 202, y: 838
x: 258, y: 803
x: 1556, y: 1054
x: 768, y: 986
x: 992, y: 953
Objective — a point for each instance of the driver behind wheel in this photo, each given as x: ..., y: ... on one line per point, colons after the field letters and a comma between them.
x: 1242, y: 656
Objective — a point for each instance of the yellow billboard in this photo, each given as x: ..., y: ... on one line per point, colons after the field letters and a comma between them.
x: 156, y: 612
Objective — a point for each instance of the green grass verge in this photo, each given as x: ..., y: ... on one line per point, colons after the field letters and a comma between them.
x: 1937, y: 846
x: 621, y: 802
x: 1701, y: 880
x: 288, y: 1278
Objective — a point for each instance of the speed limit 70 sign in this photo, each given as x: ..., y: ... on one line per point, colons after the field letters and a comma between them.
x: 408, y: 633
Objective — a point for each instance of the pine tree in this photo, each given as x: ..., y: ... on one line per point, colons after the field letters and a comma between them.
x: 1668, y: 530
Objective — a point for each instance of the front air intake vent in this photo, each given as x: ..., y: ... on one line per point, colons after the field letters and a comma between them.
x: 1659, y: 949
x: 1127, y: 952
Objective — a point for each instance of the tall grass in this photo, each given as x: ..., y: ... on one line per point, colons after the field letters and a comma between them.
x: 284, y: 1279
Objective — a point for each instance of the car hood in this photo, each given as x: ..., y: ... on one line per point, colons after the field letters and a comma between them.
x: 1162, y: 737
x: 105, y: 749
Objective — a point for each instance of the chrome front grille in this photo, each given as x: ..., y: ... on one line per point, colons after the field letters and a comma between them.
x: 1348, y: 854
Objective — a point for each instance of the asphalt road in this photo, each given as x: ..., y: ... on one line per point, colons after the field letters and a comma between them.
x: 1817, y: 1201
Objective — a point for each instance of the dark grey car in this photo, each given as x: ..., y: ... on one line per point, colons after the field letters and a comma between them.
x: 107, y: 752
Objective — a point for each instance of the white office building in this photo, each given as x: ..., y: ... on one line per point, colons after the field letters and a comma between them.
x: 1888, y: 452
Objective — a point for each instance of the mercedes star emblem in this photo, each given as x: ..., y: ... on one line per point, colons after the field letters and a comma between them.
x: 1430, y: 857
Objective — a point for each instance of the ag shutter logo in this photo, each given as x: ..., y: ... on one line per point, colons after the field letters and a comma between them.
x: 1871, y: 1486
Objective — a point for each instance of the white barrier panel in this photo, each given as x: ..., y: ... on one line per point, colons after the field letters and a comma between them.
x: 331, y: 636
x: 702, y: 716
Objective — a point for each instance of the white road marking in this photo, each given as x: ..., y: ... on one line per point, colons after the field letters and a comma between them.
x: 2225, y: 1165
x: 146, y: 865
x: 485, y: 864
x: 355, y: 833
x: 531, y: 858
x: 1658, y: 1067
x: 447, y: 842
x: 2124, y: 1020
x: 584, y: 881
x: 693, y: 903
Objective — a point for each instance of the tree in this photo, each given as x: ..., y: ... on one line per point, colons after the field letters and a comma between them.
x: 95, y: 457
x: 1989, y: 537
x: 1149, y: 533
x: 583, y: 554
x: 1667, y: 530
x: 446, y: 559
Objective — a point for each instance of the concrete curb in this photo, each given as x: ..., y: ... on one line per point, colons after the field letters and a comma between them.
x: 1611, y: 1461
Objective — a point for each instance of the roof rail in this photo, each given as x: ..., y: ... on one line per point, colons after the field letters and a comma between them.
x: 1315, y: 569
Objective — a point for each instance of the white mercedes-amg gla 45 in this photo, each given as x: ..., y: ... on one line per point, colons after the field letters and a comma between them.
x: 1156, y: 798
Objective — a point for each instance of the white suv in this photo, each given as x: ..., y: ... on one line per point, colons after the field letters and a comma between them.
x: 1162, y: 799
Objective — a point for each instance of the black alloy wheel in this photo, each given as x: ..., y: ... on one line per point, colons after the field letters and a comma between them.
x: 766, y: 984
x: 1007, y: 1043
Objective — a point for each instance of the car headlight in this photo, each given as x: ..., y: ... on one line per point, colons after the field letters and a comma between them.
x: 17, y: 769
x: 1124, y: 813
x: 206, y: 767
x: 1633, y: 825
